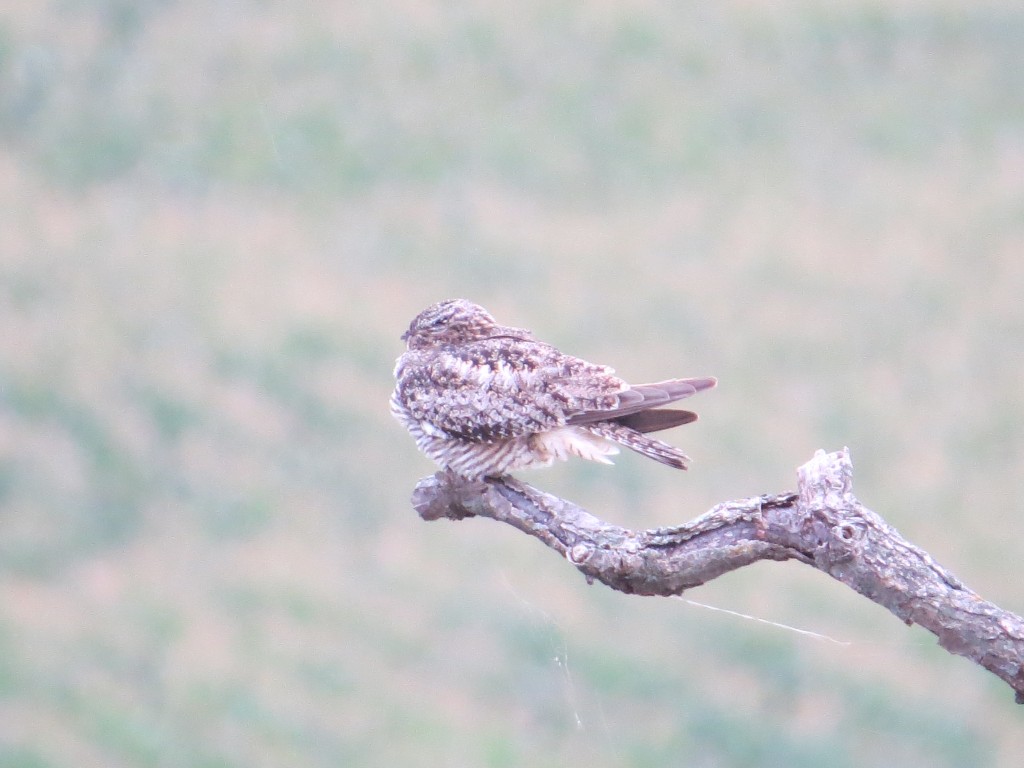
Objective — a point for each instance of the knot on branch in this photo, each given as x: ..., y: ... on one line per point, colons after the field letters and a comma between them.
x: 831, y: 513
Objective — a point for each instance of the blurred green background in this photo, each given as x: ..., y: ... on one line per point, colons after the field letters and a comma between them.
x: 217, y: 218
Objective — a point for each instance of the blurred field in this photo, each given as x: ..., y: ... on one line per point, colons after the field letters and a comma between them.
x: 215, y: 221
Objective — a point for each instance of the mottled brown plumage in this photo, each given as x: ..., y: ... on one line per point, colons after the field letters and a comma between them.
x: 483, y: 399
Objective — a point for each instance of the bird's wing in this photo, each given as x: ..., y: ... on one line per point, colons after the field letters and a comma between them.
x: 641, y: 398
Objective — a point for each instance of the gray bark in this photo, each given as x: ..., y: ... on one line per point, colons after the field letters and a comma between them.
x: 823, y: 525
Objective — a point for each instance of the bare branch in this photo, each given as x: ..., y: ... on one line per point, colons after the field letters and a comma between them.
x: 823, y: 525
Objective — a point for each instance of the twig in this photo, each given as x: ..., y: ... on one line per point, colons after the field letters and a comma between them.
x: 823, y: 525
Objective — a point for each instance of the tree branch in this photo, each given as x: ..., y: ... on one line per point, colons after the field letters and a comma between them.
x: 823, y: 526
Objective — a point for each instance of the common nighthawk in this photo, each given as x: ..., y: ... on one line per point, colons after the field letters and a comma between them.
x: 483, y: 399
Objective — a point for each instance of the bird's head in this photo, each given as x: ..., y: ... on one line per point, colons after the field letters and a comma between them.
x: 455, y: 321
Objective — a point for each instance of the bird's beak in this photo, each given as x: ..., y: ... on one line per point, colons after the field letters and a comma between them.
x: 405, y: 336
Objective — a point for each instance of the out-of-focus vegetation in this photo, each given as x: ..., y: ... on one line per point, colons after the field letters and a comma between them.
x: 217, y: 218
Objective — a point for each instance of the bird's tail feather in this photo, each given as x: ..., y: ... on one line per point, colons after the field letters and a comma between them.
x: 656, y: 419
x: 637, y: 441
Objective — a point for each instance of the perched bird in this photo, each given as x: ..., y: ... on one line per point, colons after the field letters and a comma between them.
x: 483, y: 399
